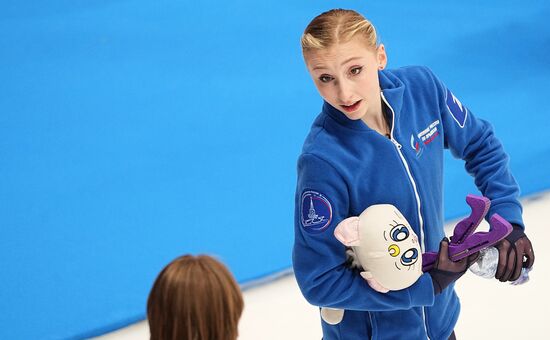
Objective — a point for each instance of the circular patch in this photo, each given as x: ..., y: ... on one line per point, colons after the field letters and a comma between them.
x: 316, y: 211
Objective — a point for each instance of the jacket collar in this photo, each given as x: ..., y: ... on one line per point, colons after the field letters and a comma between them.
x: 393, y: 89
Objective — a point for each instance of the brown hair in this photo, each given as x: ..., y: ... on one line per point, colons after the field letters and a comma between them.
x: 194, y: 298
x: 337, y: 25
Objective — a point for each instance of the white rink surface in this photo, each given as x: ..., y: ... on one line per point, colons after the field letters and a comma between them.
x: 490, y: 309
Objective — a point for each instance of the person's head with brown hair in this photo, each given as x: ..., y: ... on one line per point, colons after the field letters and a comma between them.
x: 194, y: 298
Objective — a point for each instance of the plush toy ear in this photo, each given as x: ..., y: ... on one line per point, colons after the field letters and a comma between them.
x: 373, y: 283
x: 332, y: 316
x: 347, y: 231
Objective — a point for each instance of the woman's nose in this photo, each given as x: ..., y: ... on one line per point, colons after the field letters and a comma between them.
x: 345, y: 94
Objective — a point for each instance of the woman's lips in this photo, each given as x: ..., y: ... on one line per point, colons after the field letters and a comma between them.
x: 352, y: 107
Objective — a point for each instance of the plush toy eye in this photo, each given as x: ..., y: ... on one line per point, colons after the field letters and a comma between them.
x: 399, y: 233
x: 409, y: 257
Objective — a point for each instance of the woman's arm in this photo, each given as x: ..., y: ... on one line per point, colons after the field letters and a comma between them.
x: 319, y: 258
x: 473, y: 140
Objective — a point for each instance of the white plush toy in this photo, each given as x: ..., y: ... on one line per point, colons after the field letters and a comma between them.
x: 386, y: 248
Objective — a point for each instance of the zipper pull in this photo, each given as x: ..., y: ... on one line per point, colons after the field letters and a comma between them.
x: 397, y: 145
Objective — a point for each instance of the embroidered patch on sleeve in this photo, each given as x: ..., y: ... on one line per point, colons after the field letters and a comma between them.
x: 456, y: 109
x: 316, y: 211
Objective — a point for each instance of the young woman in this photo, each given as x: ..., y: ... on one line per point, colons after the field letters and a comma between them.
x: 380, y: 138
x: 194, y: 298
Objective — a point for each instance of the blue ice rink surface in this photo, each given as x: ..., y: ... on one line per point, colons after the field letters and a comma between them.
x: 132, y: 132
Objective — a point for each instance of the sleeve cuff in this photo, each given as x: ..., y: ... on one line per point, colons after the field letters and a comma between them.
x: 422, y: 291
x: 511, y: 212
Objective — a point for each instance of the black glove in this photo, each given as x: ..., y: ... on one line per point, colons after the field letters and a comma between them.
x: 446, y: 271
x: 514, y: 252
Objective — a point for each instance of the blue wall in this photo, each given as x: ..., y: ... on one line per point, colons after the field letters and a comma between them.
x: 132, y: 132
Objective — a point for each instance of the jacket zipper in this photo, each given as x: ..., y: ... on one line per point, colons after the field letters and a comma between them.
x: 417, y: 196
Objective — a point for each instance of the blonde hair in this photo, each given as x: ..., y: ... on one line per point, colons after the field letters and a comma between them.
x: 337, y: 26
x: 194, y: 298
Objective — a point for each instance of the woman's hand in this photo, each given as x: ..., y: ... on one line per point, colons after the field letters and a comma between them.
x: 515, y: 252
x: 446, y: 271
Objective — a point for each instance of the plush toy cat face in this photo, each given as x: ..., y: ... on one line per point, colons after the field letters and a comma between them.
x: 385, y: 245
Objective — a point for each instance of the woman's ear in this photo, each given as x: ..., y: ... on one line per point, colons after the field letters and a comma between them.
x: 381, y: 57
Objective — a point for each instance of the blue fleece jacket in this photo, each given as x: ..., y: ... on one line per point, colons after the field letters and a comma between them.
x: 345, y: 167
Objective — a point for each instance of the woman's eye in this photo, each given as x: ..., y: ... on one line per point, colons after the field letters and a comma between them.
x: 399, y: 233
x: 409, y: 257
x: 356, y: 70
x: 325, y: 79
